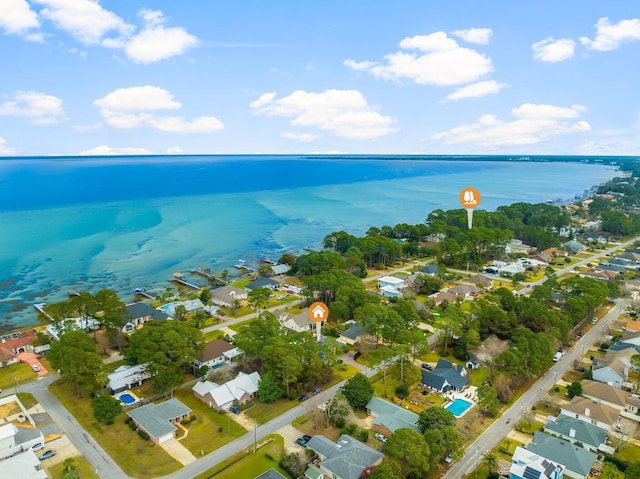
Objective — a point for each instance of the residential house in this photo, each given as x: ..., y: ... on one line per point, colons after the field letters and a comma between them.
x: 627, y: 264
x: 296, y: 323
x: 472, y: 363
x: 14, y: 440
x: 159, y: 420
x: 271, y: 474
x: 391, y: 287
x: 430, y: 269
x: 632, y: 326
x: 555, y: 252
x: 351, y: 334
x: 222, y: 396
x: 25, y: 465
x: 13, y: 344
x: 216, y: 354
x: 574, y: 430
x: 227, y: 295
x: 387, y: 417
x: 614, y: 368
x: 516, y: 246
x: 135, y: 315
x: 465, y: 291
x: 344, y: 459
x: 631, y: 256
x: 441, y: 296
x: 605, y: 394
x: 262, y: 282
x: 479, y: 280
x: 599, y: 274
x: 511, y: 269
x: 85, y: 324
x: 527, y: 465
x: 576, y: 460
x: 445, y: 376
x: 573, y: 247
x: 598, y: 238
x: 127, y: 377
x: 280, y: 269
x: 542, y: 257
x: 592, y: 412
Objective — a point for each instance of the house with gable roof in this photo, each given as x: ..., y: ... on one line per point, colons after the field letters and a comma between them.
x: 527, y: 465
x: 13, y: 344
x: 465, y: 291
x: 573, y: 247
x: 216, y: 353
x: 576, y: 460
x: 605, y: 394
x: 262, y: 282
x: 614, y: 368
x: 227, y: 295
x: 296, y: 323
x: 592, y: 412
x: 134, y: 315
x: 270, y: 474
x: 344, y: 459
x: 445, y: 376
x: 25, y: 465
x: 159, y: 420
x: 476, y: 279
x: 127, y: 377
x: 222, y: 396
x: 387, y: 417
x: 573, y: 430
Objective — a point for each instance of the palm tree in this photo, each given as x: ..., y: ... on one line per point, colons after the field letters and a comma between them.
x: 490, y: 460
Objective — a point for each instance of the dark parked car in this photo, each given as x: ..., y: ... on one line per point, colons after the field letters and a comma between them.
x: 427, y: 367
x: 302, y: 441
x: 316, y: 391
x: 303, y: 397
x: 306, y: 437
x: 580, y: 334
x: 235, y: 409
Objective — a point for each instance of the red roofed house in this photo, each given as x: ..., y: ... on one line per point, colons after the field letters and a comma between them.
x: 13, y: 344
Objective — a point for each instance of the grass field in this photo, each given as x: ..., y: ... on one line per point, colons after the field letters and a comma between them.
x: 16, y: 374
x: 137, y: 457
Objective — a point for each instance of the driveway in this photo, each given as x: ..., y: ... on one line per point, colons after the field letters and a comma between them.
x: 290, y: 434
x: 31, y: 359
x: 178, y: 451
x: 242, y: 419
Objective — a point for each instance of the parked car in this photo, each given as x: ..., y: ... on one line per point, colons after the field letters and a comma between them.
x: 449, y: 459
x: 594, y: 320
x: 235, y: 409
x: 302, y: 441
x: 316, y: 391
x: 580, y: 333
x: 37, y: 446
x: 47, y: 454
x: 427, y: 367
x: 380, y: 437
x: 303, y: 397
x: 36, y: 368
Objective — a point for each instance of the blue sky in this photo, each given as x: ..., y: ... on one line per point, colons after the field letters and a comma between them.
x: 297, y: 76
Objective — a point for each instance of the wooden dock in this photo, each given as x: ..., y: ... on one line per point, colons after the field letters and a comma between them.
x: 143, y: 293
x: 40, y: 308
x: 179, y: 278
x: 205, y: 272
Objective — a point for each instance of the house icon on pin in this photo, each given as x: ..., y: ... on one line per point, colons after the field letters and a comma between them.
x: 318, y: 312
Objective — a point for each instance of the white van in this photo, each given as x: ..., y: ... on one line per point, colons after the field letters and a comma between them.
x: 557, y: 356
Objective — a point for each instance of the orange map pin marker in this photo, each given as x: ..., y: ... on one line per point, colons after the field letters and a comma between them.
x: 318, y: 312
x: 470, y: 199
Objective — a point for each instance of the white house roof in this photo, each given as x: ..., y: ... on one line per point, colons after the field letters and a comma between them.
x: 125, y: 375
x: 25, y: 465
x: 391, y: 280
x: 8, y: 430
x: 231, y: 390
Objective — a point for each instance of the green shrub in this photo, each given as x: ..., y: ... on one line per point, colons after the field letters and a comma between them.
x: 340, y: 422
x: 143, y: 434
x: 363, y: 435
x: 619, y: 463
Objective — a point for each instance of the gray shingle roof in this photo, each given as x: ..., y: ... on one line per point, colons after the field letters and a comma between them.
x: 584, y: 432
x: 557, y: 450
x: 346, y: 458
x: 271, y: 474
x: 154, y: 418
x: 391, y: 416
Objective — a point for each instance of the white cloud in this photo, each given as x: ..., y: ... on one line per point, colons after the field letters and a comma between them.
x: 41, y: 108
x: 156, y: 42
x: 301, y: 137
x: 108, y: 150
x: 533, y: 124
x: 477, y: 89
x: 84, y: 20
x: 343, y: 113
x: 443, y: 62
x: 17, y: 17
x: 475, y: 35
x: 134, y: 107
x: 552, y: 50
x: 138, y: 98
x: 609, y: 35
x: 174, y: 150
x: 5, y: 150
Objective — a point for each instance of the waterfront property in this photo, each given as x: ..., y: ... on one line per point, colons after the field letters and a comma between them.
x: 159, y: 420
x: 136, y: 314
x: 262, y: 282
x: 13, y: 344
x: 227, y: 295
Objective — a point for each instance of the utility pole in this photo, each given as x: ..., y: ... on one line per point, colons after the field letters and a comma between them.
x: 255, y: 435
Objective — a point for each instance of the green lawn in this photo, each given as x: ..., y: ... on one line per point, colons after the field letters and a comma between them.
x: 16, y: 373
x: 264, y: 413
x: 137, y: 457
x: 210, y: 430
x: 245, y: 464
x: 79, y: 463
x: 478, y: 376
x: 629, y: 453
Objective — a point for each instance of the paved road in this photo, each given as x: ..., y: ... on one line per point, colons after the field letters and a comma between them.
x: 91, y: 450
x: 494, y: 434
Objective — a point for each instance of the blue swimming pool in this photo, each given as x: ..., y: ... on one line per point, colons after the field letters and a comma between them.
x: 458, y: 407
x: 127, y: 398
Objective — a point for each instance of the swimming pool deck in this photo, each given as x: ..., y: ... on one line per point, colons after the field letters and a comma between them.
x: 469, y: 395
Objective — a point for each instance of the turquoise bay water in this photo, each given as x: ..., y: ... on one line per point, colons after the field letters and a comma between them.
x: 87, y: 223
